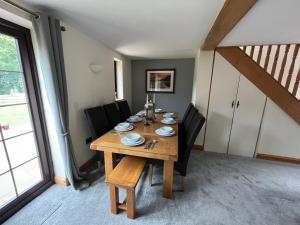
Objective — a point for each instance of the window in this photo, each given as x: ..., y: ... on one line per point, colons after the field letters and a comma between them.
x: 118, y: 73
x: 24, y: 161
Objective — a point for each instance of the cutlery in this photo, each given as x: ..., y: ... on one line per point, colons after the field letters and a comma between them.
x: 153, y: 143
x: 147, y: 144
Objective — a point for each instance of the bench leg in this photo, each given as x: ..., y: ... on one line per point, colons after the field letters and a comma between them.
x: 114, y: 198
x: 130, y: 203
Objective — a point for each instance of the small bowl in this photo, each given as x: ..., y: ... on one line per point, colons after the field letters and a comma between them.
x: 133, y: 137
x: 124, y: 125
x: 168, y: 115
x: 169, y: 120
x: 166, y: 129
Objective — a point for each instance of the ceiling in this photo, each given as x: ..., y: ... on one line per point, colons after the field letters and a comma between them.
x: 140, y: 28
x: 173, y: 28
x: 268, y: 22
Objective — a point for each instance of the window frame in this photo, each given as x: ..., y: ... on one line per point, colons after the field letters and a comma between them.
x: 32, y: 86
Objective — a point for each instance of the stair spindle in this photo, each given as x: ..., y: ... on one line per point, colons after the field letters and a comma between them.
x: 267, y: 58
x: 259, y: 54
x: 283, y: 63
x: 275, y: 61
x: 252, y: 51
x: 296, y: 85
x: 291, y: 70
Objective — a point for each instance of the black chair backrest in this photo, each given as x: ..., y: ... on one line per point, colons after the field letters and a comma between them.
x: 124, y: 109
x: 187, y: 111
x: 191, y: 135
x: 113, y: 114
x: 189, y: 118
x: 97, y: 121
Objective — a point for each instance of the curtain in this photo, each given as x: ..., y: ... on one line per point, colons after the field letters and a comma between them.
x: 51, y: 58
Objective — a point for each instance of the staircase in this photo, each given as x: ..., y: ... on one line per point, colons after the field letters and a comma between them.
x: 282, y: 62
x: 274, y: 69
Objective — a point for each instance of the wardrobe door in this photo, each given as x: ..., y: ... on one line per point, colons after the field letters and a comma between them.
x: 223, y: 93
x: 247, y: 118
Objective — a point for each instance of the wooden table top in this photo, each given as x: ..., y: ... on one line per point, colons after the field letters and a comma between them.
x: 165, y: 149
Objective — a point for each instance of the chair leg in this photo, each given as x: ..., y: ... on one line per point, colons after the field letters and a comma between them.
x: 99, y: 164
x: 182, y: 182
x: 150, y: 174
x: 130, y: 203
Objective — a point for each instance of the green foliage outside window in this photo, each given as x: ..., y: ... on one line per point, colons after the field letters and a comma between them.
x: 10, y: 77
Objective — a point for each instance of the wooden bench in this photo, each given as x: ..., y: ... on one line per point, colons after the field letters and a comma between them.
x: 126, y: 175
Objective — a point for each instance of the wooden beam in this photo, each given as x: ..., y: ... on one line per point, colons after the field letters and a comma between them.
x: 262, y: 80
x: 231, y: 13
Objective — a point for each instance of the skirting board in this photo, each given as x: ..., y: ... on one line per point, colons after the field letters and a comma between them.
x: 278, y: 158
x: 198, y: 147
x: 88, y: 164
x: 62, y: 181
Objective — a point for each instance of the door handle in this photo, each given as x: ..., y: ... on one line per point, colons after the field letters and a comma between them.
x: 238, y: 104
x: 232, y: 104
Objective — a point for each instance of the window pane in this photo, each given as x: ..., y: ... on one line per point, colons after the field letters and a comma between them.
x: 3, y: 160
x: 7, y: 191
x: 9, y: 56
x: 11, y: 88
x: 21, y: 149
x: 15, y: 120
x: 27, y: 175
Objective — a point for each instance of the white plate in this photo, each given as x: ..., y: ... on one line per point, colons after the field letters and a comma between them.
x: 134, y: 121
x: 123, y: 129
x: 141, y: 113
x: 168, y: 115
x: 124, y: 142
x: 164, y: 122
x: 159, y: 110
x: 158, y: 131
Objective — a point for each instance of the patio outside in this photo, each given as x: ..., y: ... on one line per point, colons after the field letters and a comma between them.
x: 19, y: 161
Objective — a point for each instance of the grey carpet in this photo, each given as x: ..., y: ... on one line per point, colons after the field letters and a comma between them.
x: 219, y: 190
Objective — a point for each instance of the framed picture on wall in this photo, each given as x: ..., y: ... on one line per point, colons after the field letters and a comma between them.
x: 160, y: 80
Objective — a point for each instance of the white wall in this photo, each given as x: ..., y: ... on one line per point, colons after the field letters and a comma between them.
x: 85, y: 88
x: 280, y: 134
x: 202, y: 78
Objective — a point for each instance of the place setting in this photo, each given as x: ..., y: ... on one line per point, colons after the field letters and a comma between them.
x: 141, y: 113
x: 133, y: 139
x: 165, y: 131
x: 134, y: 119
x: 123, y: 127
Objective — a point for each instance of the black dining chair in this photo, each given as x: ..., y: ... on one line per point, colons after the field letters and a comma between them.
x: 124, y: 109
x: 186, y: 113
x: 98, y: 125
x: 185, y: 126
x: 113, y: 114
x: 186, y: 144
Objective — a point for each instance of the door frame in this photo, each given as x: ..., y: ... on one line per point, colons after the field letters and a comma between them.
x: 32, y: 86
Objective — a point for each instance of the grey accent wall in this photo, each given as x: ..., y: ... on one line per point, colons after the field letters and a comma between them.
x: 183, y: 84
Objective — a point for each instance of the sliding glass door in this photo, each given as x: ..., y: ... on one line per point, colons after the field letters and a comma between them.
x: 24, y: 158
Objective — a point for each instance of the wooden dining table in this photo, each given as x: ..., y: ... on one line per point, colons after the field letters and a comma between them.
x: 166, y: 149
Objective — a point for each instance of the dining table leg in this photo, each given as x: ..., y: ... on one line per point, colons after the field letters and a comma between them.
x: 168, y: 179
x: 113, y: 190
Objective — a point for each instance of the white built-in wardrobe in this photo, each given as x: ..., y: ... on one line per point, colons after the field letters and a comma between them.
x: 235, y: 111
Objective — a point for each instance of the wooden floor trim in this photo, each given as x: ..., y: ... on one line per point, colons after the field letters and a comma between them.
x: 198, y: 147
x: 61, y: 180
x: 278, y: 158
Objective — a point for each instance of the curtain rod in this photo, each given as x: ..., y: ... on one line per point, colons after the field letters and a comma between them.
x: 21, y: 8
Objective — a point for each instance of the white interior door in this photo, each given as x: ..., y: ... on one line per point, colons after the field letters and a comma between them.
x: 247, y: 118
x: 223, y: 93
